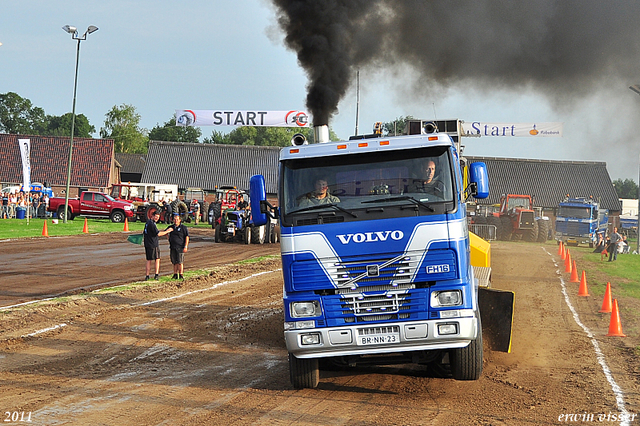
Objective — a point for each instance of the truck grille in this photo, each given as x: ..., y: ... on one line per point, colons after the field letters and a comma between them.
x: 376, y: 307
x: 381, y: 274
x: 373, y: 304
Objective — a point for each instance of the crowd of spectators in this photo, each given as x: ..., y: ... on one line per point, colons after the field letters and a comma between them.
x: 34, y: 203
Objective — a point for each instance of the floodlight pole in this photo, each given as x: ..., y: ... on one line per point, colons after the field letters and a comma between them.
x: 636, y: 88
x: 74, y: 35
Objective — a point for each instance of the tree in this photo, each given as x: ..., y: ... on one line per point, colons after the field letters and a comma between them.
x: 19, y: 116
x: 263, y: 136
x: 397, y: 126
x: 61, y: 126
x: 169, y: 132
x: 122, y: 125
x: 626, y: 188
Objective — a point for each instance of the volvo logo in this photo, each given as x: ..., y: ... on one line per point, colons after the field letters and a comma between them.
x: 370, y: 237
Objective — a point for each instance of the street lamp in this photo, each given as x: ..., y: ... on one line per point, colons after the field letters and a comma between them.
x: 74, y: 36
x: 636, y: 88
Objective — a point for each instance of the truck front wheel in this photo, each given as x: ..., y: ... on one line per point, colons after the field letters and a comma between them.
x: 117, y: 216
x: 466, y: 363
x: 304, y: 373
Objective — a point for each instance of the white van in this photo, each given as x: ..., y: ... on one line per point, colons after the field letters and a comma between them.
x: 11, y: 189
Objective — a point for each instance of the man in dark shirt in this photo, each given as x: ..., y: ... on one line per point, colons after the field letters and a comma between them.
x: 178, y: 244
x: 429, y: 184
x: 242, y: 204
x: 151, y: 243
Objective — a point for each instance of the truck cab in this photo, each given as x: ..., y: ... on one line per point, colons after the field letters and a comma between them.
x: 376, y: 255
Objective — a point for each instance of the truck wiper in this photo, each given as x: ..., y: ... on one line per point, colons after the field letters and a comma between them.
x: 401, y: 198
x: 321, y: 206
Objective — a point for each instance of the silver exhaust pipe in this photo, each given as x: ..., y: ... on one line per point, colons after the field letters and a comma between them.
x: 321, y: 133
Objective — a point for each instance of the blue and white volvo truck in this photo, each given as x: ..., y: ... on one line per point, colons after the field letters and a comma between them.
x: 580, y: 220
x: 376, y: 254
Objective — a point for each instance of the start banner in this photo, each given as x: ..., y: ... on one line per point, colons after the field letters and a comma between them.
x: 201, y: 117
x: 513, y: 129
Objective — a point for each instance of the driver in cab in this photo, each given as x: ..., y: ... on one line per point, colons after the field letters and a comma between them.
x: 429, y: 184
x: 320, y: 195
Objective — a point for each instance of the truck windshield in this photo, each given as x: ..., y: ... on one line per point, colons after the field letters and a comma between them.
x: 575, y: 212
x: 367, y: 186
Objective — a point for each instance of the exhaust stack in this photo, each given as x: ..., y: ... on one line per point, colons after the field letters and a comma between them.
x: 321, y: 133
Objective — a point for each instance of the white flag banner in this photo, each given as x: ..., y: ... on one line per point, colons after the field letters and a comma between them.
x: 513, y: 129
x: 25, y: 151
x: 202, y: 117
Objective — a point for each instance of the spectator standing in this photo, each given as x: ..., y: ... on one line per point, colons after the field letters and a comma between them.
x: 615, y: 239
x: 5, y: 205
x: 152, y: 245
x: 13, y: 203
x: 178, y: 245
x: 195, y: 209
x: 35, y: 204
x: 45, y: 202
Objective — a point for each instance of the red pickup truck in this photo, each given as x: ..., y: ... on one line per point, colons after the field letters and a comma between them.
x: 93, y: 204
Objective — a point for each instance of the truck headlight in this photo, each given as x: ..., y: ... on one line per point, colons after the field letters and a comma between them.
x: 444, y: 329
x: 304, y: 309
x: 128, y: 207
x: 310, y: 339
x: 446, y: 298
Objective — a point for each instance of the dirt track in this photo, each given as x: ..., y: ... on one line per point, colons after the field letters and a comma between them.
x: 37, y: 268
x: 209, y: 351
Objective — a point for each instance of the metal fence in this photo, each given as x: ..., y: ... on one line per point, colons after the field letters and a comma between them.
x: 486, y: 232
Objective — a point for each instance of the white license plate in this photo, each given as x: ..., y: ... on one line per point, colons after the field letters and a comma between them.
x: 378, y: 339
x: 230, y: 230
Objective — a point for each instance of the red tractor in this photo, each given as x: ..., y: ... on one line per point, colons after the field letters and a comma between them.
x: 517, y: 219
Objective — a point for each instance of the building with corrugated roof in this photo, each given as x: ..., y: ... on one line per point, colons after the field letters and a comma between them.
x: 549, y: 181
x: 207, y: 166
x: 131, y: 166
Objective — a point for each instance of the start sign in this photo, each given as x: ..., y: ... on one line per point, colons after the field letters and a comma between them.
x: 193, y: 117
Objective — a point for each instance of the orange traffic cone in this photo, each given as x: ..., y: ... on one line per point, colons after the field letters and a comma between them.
x: 45, y: 231
x: 615, y: 328
x: 567, y: 262
x: 574, y: 273
x: 85, y: 228
x: 126, y: 225
x: 606, y: 303
x: 563, y: 253
x: 582, y: 291
x: 560, y: 249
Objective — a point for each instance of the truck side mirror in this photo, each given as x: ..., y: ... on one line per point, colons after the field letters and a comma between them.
x: 478, y: 180
x: 258, y: 194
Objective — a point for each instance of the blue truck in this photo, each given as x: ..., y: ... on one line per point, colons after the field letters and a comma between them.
x: 376, y: 260
x: 580, y: 220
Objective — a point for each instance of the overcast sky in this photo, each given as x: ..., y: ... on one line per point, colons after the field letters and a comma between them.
x: 160, y: 56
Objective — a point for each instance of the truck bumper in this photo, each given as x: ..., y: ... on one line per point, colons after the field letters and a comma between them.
x: 398, y: 337
x: 573, y: 239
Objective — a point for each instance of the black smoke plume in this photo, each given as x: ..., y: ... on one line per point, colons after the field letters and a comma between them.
x: 565, y: 49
